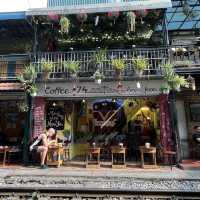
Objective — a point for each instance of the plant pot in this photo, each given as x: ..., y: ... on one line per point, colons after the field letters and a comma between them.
x: 139, y: 72
x: 98, y: 81
x: 165, y: 91
x: 73, y: 75
x: 45, y: 76
x: 118, y: 73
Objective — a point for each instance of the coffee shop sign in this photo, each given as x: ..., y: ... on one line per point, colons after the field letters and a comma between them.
x: 90, y: 91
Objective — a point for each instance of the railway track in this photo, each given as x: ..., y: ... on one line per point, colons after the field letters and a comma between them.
x: 74, y: 194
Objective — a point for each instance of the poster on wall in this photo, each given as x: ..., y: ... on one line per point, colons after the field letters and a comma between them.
x: 55, y: 117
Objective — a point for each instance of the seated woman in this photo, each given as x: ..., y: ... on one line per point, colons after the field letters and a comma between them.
x: 42, y: 143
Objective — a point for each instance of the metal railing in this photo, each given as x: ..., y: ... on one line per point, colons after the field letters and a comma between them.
x: 155, y: 57
x: 58, y: 3
x: 182, y: 57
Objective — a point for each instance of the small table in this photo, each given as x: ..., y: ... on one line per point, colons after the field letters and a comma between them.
x: 118, y: 151
x: 54, y: 155
x: 4, y: 150
x: 150, y: 150
x: 91, y: 154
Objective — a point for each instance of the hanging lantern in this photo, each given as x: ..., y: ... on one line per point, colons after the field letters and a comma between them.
x: 113, y: 15
x: 191, y: 82
x: 53, y: 17
x: 141, y: 13
x: 82, y: 17
x: 131, y: 17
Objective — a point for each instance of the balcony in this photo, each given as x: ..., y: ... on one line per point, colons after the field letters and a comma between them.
x: 12, y: 65
x: 156, y: 58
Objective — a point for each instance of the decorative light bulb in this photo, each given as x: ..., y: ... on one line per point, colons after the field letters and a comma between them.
x: 138, y: 85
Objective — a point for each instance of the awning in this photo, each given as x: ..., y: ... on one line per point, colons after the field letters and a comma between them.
x: 5, y: 86
x: 97, y: 6
x: 12, y: 15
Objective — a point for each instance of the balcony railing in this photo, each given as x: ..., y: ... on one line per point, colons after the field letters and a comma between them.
x: 12, y: 65
x: 186, y: 59
x: 156, y: 58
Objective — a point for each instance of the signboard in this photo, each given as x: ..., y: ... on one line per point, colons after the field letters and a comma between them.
x: 55, y: 117
x: 38, y: 116
x: 106, y: 89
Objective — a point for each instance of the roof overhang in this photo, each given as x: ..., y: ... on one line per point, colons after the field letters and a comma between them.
x: 12, y: 15
x: 110, y: 6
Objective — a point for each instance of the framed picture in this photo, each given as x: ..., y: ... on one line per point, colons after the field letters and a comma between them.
x: 194, y: 112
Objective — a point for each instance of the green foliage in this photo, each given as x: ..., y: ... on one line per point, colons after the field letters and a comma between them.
x: 174, y: 80
x: 72, y: 66
x: 140, y: 63
x: 98, y: 75
x: 118, y: 64
x: 22, y: 106
x: 101, y: 56
x: 27, y: 78
x: 64, y: 24
x: 46, y: 66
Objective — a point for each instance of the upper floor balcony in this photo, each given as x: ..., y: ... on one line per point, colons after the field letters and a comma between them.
x: 12, y: 65
x: 186, y: 59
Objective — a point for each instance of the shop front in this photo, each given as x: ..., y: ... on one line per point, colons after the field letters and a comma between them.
x: 105, y: 115
x: 12, y: 120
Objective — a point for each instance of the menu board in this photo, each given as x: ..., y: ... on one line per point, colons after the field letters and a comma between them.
x: 38, y: 116
x: 55, y: 117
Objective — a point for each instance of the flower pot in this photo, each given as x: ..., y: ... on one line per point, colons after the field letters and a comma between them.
x: 138, y: 72
x: 118, y: 73
x: 45, y: 76
x: 98, y: 81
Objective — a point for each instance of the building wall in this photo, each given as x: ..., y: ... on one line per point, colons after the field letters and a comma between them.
x: 182, y: 128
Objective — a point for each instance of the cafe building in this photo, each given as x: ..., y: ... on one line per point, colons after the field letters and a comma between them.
x: 88, y: 113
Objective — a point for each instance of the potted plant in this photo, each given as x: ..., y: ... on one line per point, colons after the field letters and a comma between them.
x: 140, y: 64
x: 119, y: 66
x: 98, y: 76
x: 100, y: 57
x: 46, y: 67
x: 72, y: 67
x: 165, y: 89
x: 178, y: 82
x: 64, y: 24
x: 174, y: 80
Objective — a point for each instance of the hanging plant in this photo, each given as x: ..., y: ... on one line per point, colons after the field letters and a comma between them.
x: 64, y: 25
x: 119, y: 65
x: 52, y: 16
x: 27, y: 78
x: 140, y: 64
x: 131, y: 21
x: 46, y: 67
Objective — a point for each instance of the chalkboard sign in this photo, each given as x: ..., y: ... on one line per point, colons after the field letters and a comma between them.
x: 55, y: 117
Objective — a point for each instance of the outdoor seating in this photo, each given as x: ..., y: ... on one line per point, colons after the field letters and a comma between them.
x: 55, y: 155
x: 118, y: 156
x: 150, y: 150
x: 93, y: 157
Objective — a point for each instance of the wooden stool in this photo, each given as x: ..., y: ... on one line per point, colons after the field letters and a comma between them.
x: 92, y: 152
x: 54, y: 155
x: 117, y: 150
x: 150, y: 150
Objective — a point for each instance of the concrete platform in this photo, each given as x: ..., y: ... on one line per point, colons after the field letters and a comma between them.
x: 103, y: 179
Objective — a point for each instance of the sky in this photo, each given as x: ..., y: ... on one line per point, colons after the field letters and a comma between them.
x: 21, y: 5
